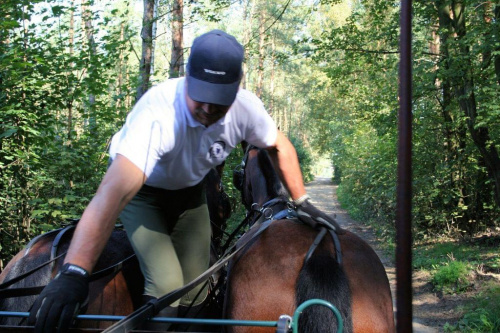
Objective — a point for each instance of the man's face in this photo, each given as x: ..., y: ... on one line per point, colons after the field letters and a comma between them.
x: 205, y: 113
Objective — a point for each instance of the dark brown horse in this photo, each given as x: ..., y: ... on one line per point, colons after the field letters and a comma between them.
x: 271, y: 277
x: 115, y: 292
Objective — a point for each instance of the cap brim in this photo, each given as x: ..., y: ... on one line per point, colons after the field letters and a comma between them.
x: 212, y: 93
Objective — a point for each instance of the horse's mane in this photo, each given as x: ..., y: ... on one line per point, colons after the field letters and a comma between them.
x: 274, y: 186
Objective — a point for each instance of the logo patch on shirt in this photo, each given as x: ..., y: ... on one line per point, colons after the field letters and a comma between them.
x: 217, y: 149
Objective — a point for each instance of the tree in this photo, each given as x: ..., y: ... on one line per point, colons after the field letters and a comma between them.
x: 177, y: 54
x: 147, y: 48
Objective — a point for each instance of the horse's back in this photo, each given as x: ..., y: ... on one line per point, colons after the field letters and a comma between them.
x: 263, y: 279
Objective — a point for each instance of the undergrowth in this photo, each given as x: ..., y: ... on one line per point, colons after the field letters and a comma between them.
x: 481, y: 315
x: 454, y: 265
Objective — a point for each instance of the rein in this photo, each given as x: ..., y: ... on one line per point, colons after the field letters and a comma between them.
x: 29, y: 291
x: 151, y: 308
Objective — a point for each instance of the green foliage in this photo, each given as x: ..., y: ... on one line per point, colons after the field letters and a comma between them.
x: 58, y: 110
x: 481, y: 315
x: 355, y: 115
x: 452, y: 277
x: 305, y: 159
x: 238, y: 211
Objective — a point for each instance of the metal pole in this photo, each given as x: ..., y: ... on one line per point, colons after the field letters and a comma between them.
x: 404, y: 191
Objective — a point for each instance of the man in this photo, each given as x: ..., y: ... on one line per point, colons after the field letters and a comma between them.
x: 176, y: 132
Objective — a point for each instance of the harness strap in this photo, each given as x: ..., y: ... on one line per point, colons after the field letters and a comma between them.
x: 23, y: 276
x: 36, y: 239
x: 237, y: 230
x: 53, y: 257
x: 338, y: 250
x: 57, y: 240
x: 319, y: 238
x: 28, y: 291
x: 315, y: 244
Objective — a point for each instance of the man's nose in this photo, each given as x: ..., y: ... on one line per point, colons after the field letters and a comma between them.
x: 208, y: 108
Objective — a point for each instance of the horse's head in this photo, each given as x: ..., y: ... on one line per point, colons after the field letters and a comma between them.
x: 256, y: 178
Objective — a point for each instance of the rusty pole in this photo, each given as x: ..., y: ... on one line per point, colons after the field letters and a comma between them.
x: 404, y: 191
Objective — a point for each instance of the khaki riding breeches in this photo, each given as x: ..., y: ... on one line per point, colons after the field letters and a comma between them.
x: 170, y: 233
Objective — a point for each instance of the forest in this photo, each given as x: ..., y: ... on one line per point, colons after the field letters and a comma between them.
x: 327, y: 71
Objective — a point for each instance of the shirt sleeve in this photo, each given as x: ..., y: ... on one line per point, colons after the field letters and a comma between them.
x: 140, y: 142
x: 260, y: 128
x: 145, y: 137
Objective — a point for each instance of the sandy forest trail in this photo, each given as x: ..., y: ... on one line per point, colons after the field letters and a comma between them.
x: 323, y: 194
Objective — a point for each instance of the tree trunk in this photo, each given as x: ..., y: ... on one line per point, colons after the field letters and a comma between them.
x: 147, y: 48
x: 119, y: 88
x: 89, y: 33
x: 271, y: 85
x: 454, y: 139
x: 467, y: 102
x: 262, y: 55
x: 177, y: 54
x: 69, y: 103
x: 247, y: 32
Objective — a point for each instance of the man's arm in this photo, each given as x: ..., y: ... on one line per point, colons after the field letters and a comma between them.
x: 121, y: 182
x: 286, y: 163
x: 68, y: 292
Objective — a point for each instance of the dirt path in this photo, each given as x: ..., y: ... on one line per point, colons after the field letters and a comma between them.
x: 323, y: 194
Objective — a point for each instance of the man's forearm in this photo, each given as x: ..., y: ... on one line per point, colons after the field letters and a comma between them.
x: 91, y: 234
x: 287, y: 165
x: 120, y: 184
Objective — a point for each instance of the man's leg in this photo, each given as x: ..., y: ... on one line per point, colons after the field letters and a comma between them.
x: 191, y: 239
x: 146, y: 228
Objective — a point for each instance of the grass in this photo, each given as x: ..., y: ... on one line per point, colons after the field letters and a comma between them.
x: 481, y: 315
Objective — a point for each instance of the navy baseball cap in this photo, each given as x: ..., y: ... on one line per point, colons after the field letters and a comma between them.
x: 214, y: 68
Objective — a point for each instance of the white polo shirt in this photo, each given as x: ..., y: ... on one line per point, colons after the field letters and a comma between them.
x: 173, y: 149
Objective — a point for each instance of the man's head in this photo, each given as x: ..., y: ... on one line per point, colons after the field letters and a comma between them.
x: 214, y: 68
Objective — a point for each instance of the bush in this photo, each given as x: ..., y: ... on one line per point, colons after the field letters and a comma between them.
x: 452, y: 277
x: 305, y: 159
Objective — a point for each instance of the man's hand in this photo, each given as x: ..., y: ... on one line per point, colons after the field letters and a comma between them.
x: 61, y: 300
x: 312, y: 216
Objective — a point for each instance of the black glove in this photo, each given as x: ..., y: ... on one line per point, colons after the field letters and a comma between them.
x: 313, y: 216
x: 61, y: 300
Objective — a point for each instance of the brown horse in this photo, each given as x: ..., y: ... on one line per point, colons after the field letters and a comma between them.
x: 272, y: 277
x: 115, y: 292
